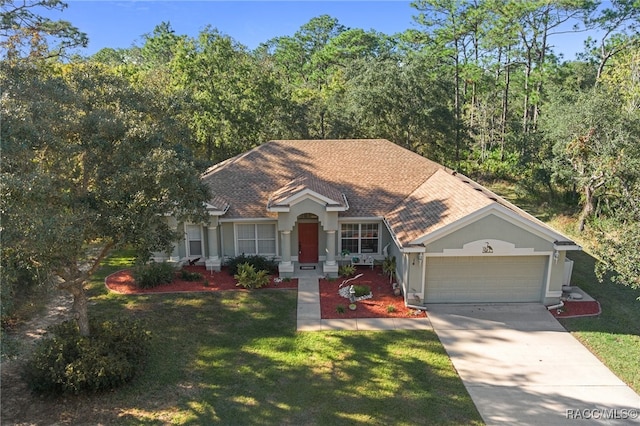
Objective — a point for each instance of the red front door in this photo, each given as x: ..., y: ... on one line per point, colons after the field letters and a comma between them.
x: 308, y: 242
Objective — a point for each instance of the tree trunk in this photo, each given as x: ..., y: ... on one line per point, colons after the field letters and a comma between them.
x: 505, y: 107
x: 80, y: 303
x: 525, y: 108
x: 322, y: 132
x: 74, y: 280
x: 457, y: 104
x: 587, y: 209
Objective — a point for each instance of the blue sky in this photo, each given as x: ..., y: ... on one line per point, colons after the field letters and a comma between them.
x: 122, y: 23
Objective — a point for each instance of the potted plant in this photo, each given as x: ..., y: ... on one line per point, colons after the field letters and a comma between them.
x: 352, y: 306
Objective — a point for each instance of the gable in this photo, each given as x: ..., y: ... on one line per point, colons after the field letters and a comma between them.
x: 488, y: 227
x: 307, y: 187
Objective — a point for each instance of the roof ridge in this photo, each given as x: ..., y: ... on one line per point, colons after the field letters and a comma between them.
x: 416, y: 188
x: 231, y: 160
x: 503, y: 201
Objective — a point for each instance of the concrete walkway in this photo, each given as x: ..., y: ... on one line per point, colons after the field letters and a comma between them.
x: 309, y: 318
x: 520, y: 366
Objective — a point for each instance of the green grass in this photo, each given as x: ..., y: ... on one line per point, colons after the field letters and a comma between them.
x: 236, y: 358
x: 613, y: 336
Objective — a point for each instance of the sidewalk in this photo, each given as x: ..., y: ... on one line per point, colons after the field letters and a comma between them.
x: 309, y: 318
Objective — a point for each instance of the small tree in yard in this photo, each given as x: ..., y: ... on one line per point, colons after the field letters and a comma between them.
x: 389, y: 267
x: 86, y: 169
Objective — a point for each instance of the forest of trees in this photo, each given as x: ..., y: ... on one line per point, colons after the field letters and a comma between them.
x: 475, y: 85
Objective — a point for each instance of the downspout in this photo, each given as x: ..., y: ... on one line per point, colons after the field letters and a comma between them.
x: 557, y: 306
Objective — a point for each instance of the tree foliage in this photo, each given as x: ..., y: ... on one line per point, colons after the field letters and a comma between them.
x: 26, y: 33
x: 86, y: 169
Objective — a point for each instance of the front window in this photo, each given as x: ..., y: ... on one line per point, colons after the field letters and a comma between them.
x: 194, y: 240
x: 254, y: 238
x: 360, y: 237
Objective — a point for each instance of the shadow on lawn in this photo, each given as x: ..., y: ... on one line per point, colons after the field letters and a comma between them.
x: 235, y: 358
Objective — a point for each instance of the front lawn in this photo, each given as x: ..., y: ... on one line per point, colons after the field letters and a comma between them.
x: 236, y: 358
x: 614, y: 335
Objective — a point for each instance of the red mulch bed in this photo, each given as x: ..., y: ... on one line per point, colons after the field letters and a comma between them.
x: 575, y: 309
x: 376, y: 307
x: 123, y: 282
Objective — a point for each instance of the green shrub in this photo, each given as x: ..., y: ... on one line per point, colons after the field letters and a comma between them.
x: 346, y: 270
x: 70, y: 363
x: 260, y: 263
x: 190, y: 276
x: 361, y: 290
x: 340, y: 309
x: 247, y: 276
x: 389, y: 266
x: 391, y: 309
x: 153, y: 274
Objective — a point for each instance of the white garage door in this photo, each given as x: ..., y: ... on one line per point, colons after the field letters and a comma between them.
x: 485, y: 279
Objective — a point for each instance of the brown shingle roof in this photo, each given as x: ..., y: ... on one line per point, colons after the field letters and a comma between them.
x: 373, y: 174
x: 378, y: 178
x: 440, y: 200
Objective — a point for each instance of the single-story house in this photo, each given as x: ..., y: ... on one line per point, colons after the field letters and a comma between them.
x: 324, y: 202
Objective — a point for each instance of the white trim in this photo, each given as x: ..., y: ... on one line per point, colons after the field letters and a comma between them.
x: 214, y: 211
x: 248, y: 220
x: 499, y: 211
x: 306, y: 194
x: 330, y: 205
x: 488, y: 248
x: 555, y: 293
x: 567, y: 247
x: 188, y: 241
x: 548, y: 280
x: 393, y: 235
x: 360, y: 237
x: 413, y: 249
x: 357, y: 219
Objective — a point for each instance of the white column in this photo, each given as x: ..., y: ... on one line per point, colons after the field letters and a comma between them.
x: 285, y: 267
x: 213, y: 262
x: 212, y: 239
x: 331, y: 247
x: 286, y: 247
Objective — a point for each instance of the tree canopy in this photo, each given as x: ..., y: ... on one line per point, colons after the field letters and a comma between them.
x: 86, y: 169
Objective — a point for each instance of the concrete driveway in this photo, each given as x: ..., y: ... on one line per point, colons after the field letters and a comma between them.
x: 520, y: 366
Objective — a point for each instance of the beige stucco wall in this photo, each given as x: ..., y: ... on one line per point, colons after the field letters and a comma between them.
x: 227, y: 239
x: 557, y: 272
x: 490, y: 227
x: 493, y: 227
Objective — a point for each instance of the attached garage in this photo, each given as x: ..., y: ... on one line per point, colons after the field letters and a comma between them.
x: 485, y: 279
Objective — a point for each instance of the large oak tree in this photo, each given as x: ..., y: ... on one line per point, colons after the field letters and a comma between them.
x: 86, y: 169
